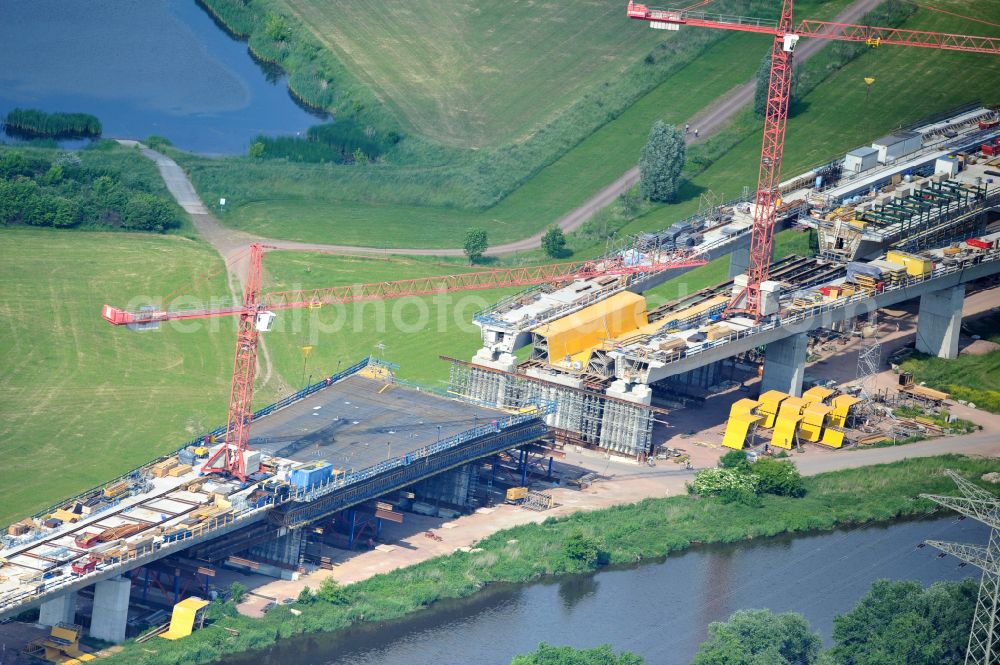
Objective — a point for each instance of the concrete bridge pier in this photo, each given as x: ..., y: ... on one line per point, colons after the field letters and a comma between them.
x: 785, y: 365
x: 939, y: 322
x: 110, y: 613
x: 739, y: 261
x: 61, y: 609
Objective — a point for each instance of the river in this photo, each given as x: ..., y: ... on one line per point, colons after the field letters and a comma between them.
x: 151, y: 67
x: 658, y: 610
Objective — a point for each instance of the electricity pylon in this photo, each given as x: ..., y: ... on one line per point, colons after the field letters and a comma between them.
x: 984, y: 638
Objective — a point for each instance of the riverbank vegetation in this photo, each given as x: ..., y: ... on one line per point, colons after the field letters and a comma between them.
x: 624, y: 534
x: 32, y: 123
x: 969, y: 378
x: 101, y: 187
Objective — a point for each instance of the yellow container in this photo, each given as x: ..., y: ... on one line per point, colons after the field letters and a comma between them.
x: 517, y: 493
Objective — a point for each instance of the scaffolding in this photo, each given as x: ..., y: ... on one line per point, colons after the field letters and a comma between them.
x: 585, y: 417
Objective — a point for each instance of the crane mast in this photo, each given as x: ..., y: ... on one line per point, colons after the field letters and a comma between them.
x: 244, y: 368
x: 786, y: 34
x: 779, y: 88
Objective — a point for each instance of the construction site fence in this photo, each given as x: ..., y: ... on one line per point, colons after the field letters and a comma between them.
x: 219, y: 431
x: 802, y: 315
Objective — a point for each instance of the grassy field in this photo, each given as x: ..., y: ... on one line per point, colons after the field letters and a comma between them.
x: 414, y: 330
x: 80, y: 394
x: 302, y: 202
x: 623, y: 535
x: 297, y: 201
x: 477, y: 74
x: 83, y: 401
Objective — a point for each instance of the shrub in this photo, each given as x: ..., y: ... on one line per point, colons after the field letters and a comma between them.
x: 711, y: 482
x: 778, y: 477
x: 333, y: 593
x: 237, y: 592
x: 581, y: 549
x: 306, y: 596
x: 735, y: 460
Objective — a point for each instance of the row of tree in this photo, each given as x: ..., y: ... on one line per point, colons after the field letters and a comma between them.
x: 35, y: 123
x: 896, y: 623
x: 38, y: 192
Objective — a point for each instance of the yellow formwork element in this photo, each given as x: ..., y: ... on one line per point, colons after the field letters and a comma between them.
x: 183, y: 619
x: 813, y: 416
x: 816, y: 395
x: 833, y: 435
x: 769, y: 404
x: 841, y: 407
x: 787, y: 422
x: 741, y: 417
x: 578, y: 333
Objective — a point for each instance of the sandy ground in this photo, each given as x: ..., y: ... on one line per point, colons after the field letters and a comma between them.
x: 696, y: 431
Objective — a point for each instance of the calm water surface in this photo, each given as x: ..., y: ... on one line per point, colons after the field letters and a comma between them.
x: 143, y: 67
x: 660, y: 611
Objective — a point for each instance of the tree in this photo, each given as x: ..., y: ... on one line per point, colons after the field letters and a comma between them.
x: 236, y: 592
x: 476, y: 242
x: 775, y: 476
x: 256, y: 150
x: 903, y: 622
x: 759, y: 637
x: 602, y: 655
x: 661, y: 162
x: 554, y: 242
x: 760, y: 90
x: 581, y: 549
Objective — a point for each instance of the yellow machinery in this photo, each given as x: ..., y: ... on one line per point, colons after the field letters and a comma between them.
x: 61, y: 646
x: 572, y: 337
x: 789, y: 415
x: 769, y: 404
x: 187, y: 613
x: 833, y: 435
x: 516, y: 494
x: 741, y: 418
x: 916, y: 266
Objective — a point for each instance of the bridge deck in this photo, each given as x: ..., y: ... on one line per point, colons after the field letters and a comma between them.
x: 359, y: 421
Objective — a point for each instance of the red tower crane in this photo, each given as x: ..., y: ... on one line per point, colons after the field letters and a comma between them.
x: 256, y: 314
x: 786, y: 34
